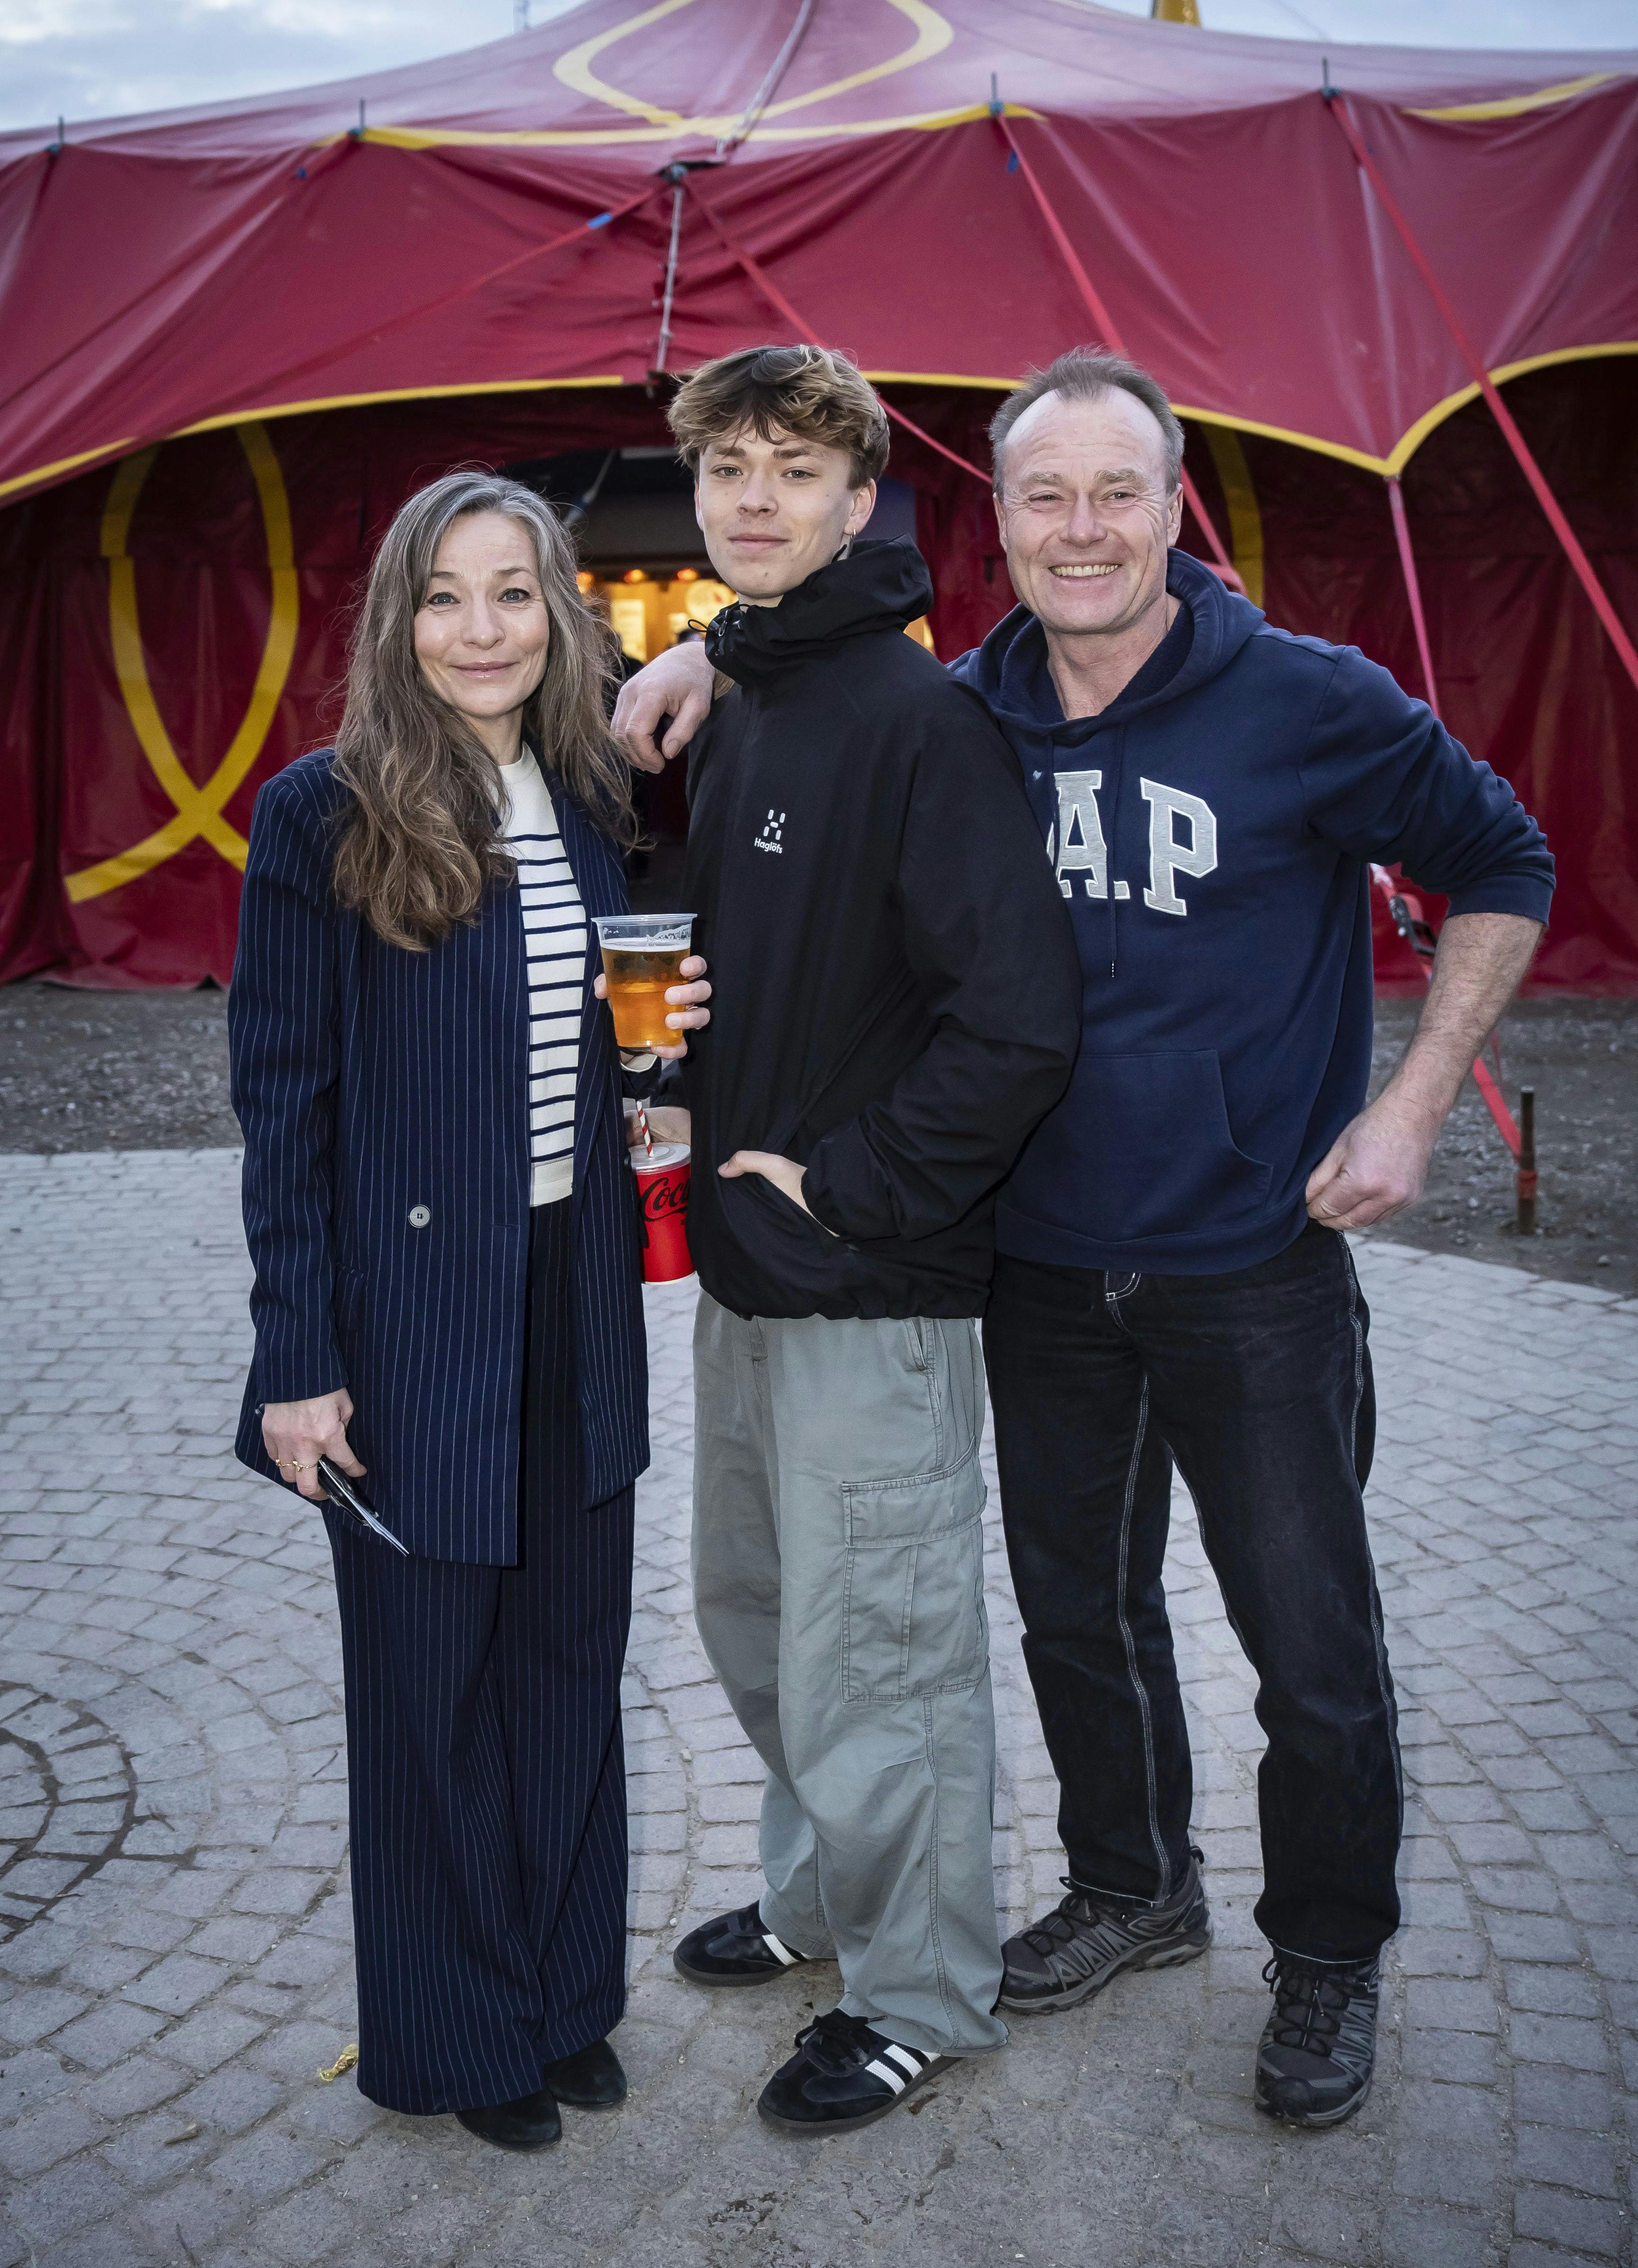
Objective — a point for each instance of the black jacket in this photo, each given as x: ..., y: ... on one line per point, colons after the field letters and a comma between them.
x: 897, y: 999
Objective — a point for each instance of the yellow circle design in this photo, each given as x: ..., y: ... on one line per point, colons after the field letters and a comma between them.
x: 198, y: 809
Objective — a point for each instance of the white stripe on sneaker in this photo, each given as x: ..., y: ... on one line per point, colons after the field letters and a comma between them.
x: 780, y: 1952
x: 912, y: 2063
x: 880, y: 2070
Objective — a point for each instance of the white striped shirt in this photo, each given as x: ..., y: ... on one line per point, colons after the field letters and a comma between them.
x: 554, y: 942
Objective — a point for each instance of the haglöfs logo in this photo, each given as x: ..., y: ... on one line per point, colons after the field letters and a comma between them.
x: 773, y: 828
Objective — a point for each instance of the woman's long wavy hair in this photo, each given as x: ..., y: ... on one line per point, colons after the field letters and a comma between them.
x: 421, y: 844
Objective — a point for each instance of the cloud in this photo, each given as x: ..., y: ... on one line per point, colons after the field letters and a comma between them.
x: 100, y: 58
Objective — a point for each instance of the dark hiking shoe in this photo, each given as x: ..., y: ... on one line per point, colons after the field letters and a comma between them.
x: 842, y: 2075
x: 735, y: 1949
x: 1318, y: 2048
x: 1089, y: 1937
x: 528, y: 2123
x: 591, y: 2078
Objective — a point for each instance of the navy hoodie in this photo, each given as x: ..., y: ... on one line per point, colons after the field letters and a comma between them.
x: 1213, y: 833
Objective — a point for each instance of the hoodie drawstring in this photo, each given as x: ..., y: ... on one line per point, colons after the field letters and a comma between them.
x: 1112, y: 782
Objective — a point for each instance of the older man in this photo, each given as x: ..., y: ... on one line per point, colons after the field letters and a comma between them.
x: 1170, y: 1284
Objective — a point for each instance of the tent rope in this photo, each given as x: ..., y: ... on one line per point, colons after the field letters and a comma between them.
x: 771, y: 292
x: 1413, y: 589
x: 1487, y: 385
x: 1104, y: 321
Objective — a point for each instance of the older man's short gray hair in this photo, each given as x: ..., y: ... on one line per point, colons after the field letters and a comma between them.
x: 1083, y: 374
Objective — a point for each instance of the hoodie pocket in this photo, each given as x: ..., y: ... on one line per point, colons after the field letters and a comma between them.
x: 1141, y: 1147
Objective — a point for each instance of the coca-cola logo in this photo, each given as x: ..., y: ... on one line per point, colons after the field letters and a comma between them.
x: 665, y: 1195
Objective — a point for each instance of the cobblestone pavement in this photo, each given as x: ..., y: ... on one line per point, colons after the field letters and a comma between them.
x: 171, y: 1778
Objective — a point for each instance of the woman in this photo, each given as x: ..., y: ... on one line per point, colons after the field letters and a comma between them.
x: 447, y: 1298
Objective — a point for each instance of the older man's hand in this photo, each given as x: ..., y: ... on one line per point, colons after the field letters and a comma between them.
x: 678, y: 685
x: 1376, y: 1166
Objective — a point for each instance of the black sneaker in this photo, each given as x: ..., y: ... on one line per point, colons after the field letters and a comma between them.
x: 1088, y: 1937
x: 736, y: 1948
x: 1319, y: 2049
x: 842, y: 2075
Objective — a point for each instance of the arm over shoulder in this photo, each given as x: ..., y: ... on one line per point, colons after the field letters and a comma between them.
x: 283, y: 1030
x: 1382, y: 779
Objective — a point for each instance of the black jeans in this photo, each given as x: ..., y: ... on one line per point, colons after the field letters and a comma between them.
x: 1259, y: 1383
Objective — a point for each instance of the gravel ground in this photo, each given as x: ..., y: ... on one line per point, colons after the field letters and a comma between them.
x: 147, y: 1070
x: 1581, y: 1058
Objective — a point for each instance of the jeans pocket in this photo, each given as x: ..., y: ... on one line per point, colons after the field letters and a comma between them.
x: 913, y: 1598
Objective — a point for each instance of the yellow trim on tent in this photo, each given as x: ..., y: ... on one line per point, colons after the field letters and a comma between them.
x: 1404, y: 450
x: 1407, y: 444
x: 396, y: 394
x: 413, y: 137
x: 1245, y: 520
x: 65, y: 465
x: 574, y: 68
x: 198, y: 809
x: 1514, y: 106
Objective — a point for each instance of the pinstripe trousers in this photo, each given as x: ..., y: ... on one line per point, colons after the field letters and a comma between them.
x: 487, y: 1775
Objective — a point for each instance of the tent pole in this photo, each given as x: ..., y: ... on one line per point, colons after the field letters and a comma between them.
x: 1487, y: 385
x: 1111, y: 336
x: 1413, y: 588
x: 664, y: 348
x: 771, y: 292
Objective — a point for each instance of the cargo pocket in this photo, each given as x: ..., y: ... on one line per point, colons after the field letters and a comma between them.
x: 912, y: 1604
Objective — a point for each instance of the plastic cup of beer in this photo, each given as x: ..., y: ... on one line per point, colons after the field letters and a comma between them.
x: 642, y: 957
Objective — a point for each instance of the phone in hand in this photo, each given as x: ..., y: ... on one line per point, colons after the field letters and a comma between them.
x: 340, y: 1486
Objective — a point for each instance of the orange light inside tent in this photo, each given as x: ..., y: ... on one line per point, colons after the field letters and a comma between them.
x: 633, y: 575
x: 688, y: 574
x: 586, y: 582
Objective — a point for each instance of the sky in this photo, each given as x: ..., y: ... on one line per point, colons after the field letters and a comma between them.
x: 98, y: 58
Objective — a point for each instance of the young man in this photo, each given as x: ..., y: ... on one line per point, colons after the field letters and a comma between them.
x: 1170, y: 1284
x: 897, y: 1005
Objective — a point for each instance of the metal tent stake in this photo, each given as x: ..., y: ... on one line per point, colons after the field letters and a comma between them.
x: 1526, y: 1160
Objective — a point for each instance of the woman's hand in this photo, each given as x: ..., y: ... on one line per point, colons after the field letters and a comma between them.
x: 298, y: 1434
x: 687, y: 998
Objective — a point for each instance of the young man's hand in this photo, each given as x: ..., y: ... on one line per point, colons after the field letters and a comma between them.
x: 678, y: 685
x: 782, y: 1171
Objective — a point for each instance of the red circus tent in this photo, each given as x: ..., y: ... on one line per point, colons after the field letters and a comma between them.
x: 234, y: 337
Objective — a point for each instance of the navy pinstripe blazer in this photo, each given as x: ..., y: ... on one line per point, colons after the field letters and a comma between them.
x: 384, y: 1100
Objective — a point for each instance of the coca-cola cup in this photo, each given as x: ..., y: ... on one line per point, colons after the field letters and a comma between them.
x: 663, y: 1198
